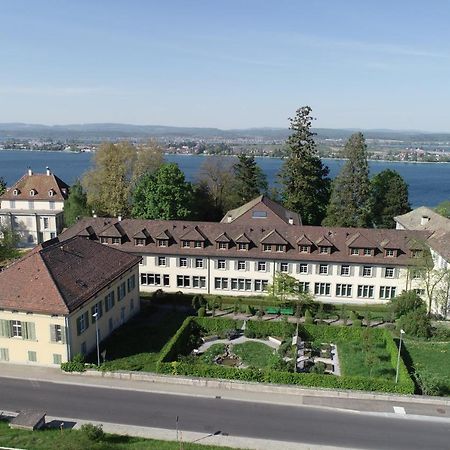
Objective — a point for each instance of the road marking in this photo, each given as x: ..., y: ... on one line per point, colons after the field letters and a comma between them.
x: 399, y: 410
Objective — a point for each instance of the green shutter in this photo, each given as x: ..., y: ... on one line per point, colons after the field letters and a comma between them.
x: 63, y: 334
x: 53, y: 333
x: 78, y: 326
x: 29, y: 331
x: 5, y: 328
x: 86, y: 319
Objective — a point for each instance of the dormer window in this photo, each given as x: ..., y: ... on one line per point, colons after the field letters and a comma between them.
x: 185, y: 244
x: 115, y: 240
x: 32, y: 193
x: 139, y: 241
x: 324, y: 250
x: 354, y: 251
x: 242, y: 246
x: 103, y: 240
x: 280, y: 248
x: 304, y: 248
x: 163, y: 242
x: 223, y: 245
x: 367, y: 252
x: 267, y: 248
x: 390, y: 252
x: 198, y: 244
x: 16, y: 192
x: 51, y: 193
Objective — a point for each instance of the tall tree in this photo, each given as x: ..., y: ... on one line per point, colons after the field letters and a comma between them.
x: 75, y: 206
x: 350, y: 201
x: 2, y: 185
x: 164, y: 194
x: 389, y: 198
x: 250, y: 180
x: 304, y: 179
x: 444, y: 208
x: 149, y: 157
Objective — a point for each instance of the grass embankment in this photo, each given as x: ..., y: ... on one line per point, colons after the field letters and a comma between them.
x: 77, y: 440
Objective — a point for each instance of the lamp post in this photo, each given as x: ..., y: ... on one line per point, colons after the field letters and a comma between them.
x: 95, y: 315
x: 398, y: 357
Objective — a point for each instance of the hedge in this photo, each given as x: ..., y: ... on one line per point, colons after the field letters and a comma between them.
x: 178, y: 345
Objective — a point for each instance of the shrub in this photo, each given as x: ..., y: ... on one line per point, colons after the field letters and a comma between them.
x: 198, y: 301
x: 353, y: 316
x: 76, y: 365
x: 201, y: 312
x: 309, y: 319
x: 357, y: 323
x: 429, y: 383
x: 250, y: 310
x: 318, y: 368
x: 441, y: 333
x: 406, y: 302
x: 260, y: 312
x: 415, y: 323
x: 282, y: 329
x: 93, y: 432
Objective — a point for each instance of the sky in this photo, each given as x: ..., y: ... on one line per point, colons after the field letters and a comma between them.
x: 228, y: 64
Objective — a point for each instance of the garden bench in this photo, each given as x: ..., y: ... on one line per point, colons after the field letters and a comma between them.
x: 272, y: 310
x: 287, y: 311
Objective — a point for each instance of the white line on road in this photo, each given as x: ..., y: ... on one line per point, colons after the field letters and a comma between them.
x: 399, y: 410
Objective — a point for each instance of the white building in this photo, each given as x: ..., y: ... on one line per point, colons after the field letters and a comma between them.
x: 242, y: 254
x: 33, y: 207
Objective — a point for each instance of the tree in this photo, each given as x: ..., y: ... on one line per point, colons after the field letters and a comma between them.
x: 164, y: 195
x: 149, y: 158
x: 250, y: 181
x: 415, y: 323
x: 76, y: 205
x: 8, y: 243
x: 350, y: 201
x: 284, y: 286
x: 389, y: 198
x: 443, y: 208
x: 2, y: 185
x: 406, y: 302
x: 304, y: 179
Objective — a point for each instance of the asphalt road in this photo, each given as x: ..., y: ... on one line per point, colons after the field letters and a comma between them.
x: 235, y: 418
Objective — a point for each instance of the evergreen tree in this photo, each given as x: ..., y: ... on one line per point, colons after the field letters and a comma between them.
x: 2, y: 185
x: 76, y: 205
x: 389, y: 198
x: 164, y: 194
x: 304, y: 179
x: 250, y: 180
x: 350, y: 201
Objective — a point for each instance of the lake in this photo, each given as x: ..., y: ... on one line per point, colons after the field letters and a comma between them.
x: 429, y: 184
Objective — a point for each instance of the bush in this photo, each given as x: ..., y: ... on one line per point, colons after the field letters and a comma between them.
x: 250, y: 310
x: 201, y: 312
x: 198, y: 301
x: 429, y: 383
x: 353, y: 316
x: 76, y: 365
x: 415, y: 323
x: 406, y: 302
x: 93, y: 432
x: 357, y: 323
x: 318, y: 368
x: 441, y: 333
x: 309, y: 319
x: 282, y: 329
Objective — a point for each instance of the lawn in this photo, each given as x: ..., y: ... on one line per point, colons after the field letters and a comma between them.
x: 210, y: 354
x: 77, y: 440
x: 137, y: 344
x: 256, y: 354
x: 432, y: 357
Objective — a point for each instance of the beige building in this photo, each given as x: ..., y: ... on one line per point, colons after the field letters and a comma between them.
x: 242, y: 254
x: 48, y: 300
x: 33, y: 207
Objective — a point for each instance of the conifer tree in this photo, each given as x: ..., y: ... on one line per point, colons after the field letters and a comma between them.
x: 389, y: 198
x: 250, y: 181
x: 350, y: 201
x: 76, y: 205
x: 304, y: 179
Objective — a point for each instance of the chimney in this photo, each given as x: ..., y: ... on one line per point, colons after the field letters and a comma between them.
x: 48, y: 171
x: 119, y: 218
x: 424, y: 220
x: 230, y: 219
x: 93, y: 214
x: 30, y: 172
x: 291, y: 221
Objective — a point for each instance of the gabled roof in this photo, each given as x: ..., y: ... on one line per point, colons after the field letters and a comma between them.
x: 423, y: 218
x: 142, y: 234
x: 359, y: 241
x: 114, y: 230
x: 323, y: 242
x: 223, y: 237
x: 87, y: 232
x: 41, y: 184
x: 62, y: 276
x: 388, y: 245
x: 274, y: 237
x: 304, y: 240
x: 242, y: 239
x: 193, y: 234
x: 164, y: 235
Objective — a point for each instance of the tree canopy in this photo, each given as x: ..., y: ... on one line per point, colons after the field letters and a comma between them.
x: 163, y: 194
x: 250, y: 181
x: 389, y: 198
x: 443, y: 208
x: 350, y: 201
x: 2, y: 185
x: 303, y: 177
x: 75, y: 206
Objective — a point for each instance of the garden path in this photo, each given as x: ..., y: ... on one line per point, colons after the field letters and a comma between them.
x: 239, y: 340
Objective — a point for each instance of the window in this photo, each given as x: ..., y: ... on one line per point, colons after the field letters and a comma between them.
x: 261, y: 285
x: 51, y: 193
x: 199, y: 282
x: 390, y: 252
x: 303, y: 286
x: 387, y: 292
x: 365, y: 291
x: 82, y: 323
x: 304, y: 248
x: 354, y: 251
x: 419, y: 291
x: 185, y: 244
x: 115, y: 240
x: 131, y: 283
x: 367, y: 271
x: 56, y: 333
x: 198, y: 244
x: 182, y: 262
x: 166, y: 280
x: 97, y: 308
x: 45, y: 222
x: 16, y: 328
x: 343, y: 290
x: 183, y: 281
x: 242, y: 246
x: 103, y: 240
x: 161, y: 261
x: 16, y: 192
x: 324, y: 249
x: 57, y: 358
x: 267, y: 248
x: 32, y: 357
x: 4, y: 354
x: 221, y: 264
x: 109, y: 301
x: 241, y: 265
x: 367, y: 252
x: 303, y: 268
x: 280, y: 247
x: 52, y: 235
x: 199, y: 263
x: 345, y: 270
x: 223, y: 245
x: 132, y: 304
x: 151, y: 279
x: 139, y: 241
x: 284, y: 267
x: 415, y: 274
x: 323, y: 269
x: 163, y: 242
x: 261, y: 266
x: 322, y: 288
x: 220, y: 283
x: 389, y: 272
x: 32, y: 192
x: 241, y: 284
x: 121, y: 292
x: 259, y: 214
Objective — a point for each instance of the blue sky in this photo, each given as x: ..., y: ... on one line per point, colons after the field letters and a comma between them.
x: 228, y: 64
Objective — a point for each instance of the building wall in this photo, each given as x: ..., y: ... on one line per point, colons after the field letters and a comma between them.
x: 24, y: 205
x: 245, y: 276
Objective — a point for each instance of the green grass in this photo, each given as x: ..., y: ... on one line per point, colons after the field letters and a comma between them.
x: 256, y: 354
x: 210, y: 354
x: 353, y: 360
x: 77, y: 440
x: 137, y: 344
x: 434, y: 357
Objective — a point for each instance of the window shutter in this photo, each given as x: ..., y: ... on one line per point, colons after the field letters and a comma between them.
x: 5, y: 328
x: 396, y: 272
x: 63, y: 334
x: 317, y: 269
x: 352, y: 270
x: 188, y: 262
x: 226, y: 264
x: 361, y: 269
x: 330, y: 269
x: 52, y: 333
x: 178, y: 262
x: 256, y: 266
x: 167, y: 261
x: 4, y: 354
x: 289, y: 267
x: 86, y: 319
x: 236, y: 265
x: 156, y: 261
x: 78, y: 326
x: 267, y: 266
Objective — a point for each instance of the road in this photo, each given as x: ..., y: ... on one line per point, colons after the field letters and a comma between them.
x: 235, y: 418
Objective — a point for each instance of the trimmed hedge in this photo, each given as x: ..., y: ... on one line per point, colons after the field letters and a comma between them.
x: 167, y: 363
